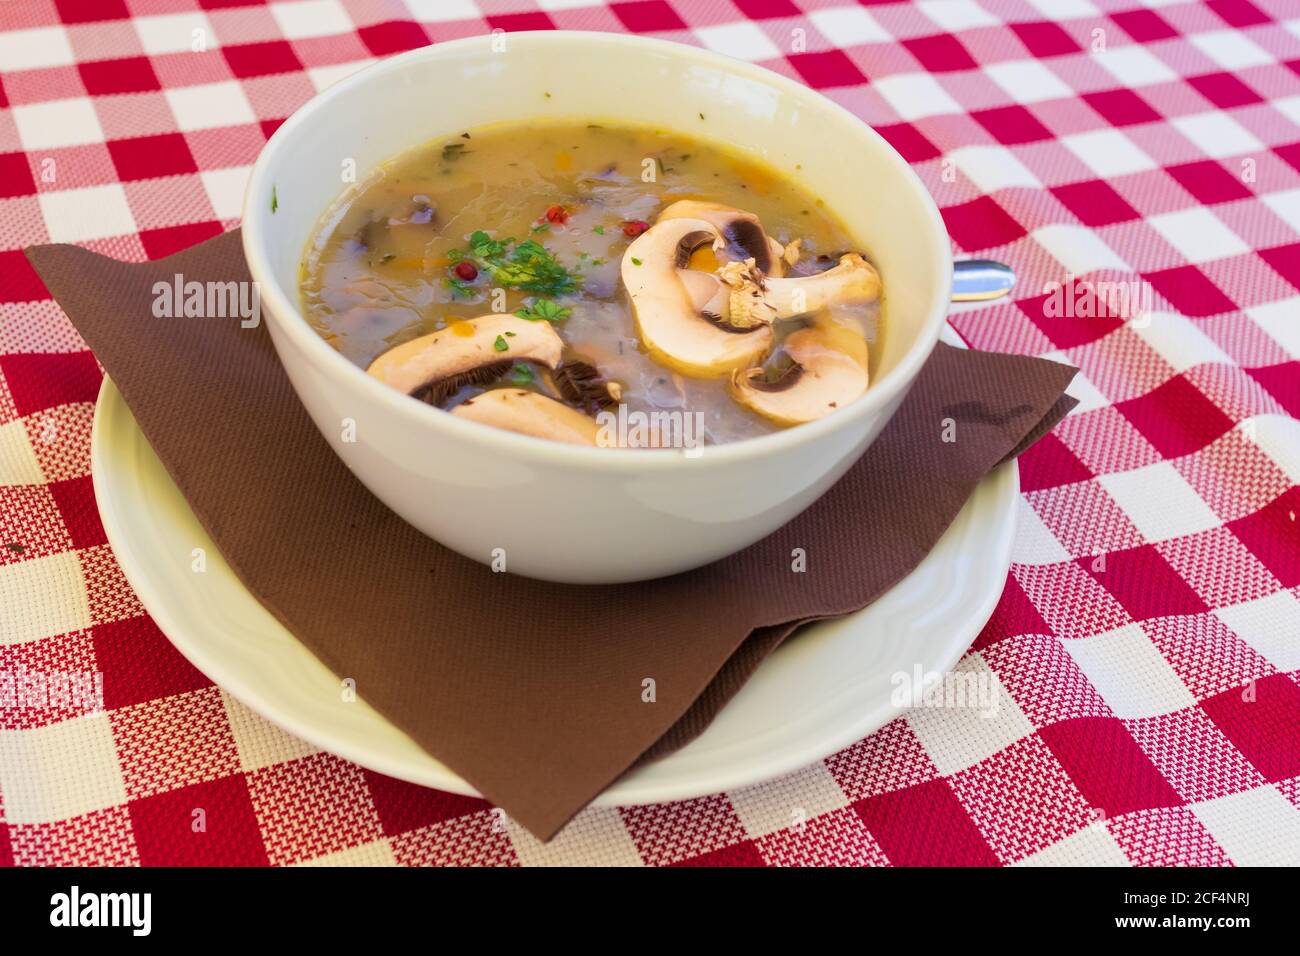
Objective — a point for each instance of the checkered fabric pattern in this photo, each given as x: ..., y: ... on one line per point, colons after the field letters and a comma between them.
x: 1146, y: 651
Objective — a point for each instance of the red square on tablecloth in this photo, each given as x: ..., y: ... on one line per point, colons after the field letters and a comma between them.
x: 925, y: 825
x: 980, y: 224
x: 942, y: 53
x: 1095, y: 202
x: 1014, y: 615
x: 1121, y: 107
x: 405, y: 806
x: 513, y: 22
x: 648, y: 16
x: 76, y: 500
x: 160, y: 243
x: 261, y: 59
x: 1260, y: 720
x: 1049, y: 463
x: 1224, y: 90
x: 744, y: 853
x: 1176, y: 418
x: 1144, y: 26
x: 1282, y: 382
x: 131, y: 75
x: 15, y: 176
x: 767, y: 9
x: 1238, y: 13
x: 167, y: 826
x: 88, y: 11
x: 396, y: 36
x: 1045, y: 39
x: 827, y: 69
x: 149, y: 157
x: 1012, y: 125
x: 41, y: 380
x: 1190, y: 291
x: 1273, y: 536
x: 1285, y: 260
x: 909, y: 141
x: 1108, y: 766
x: 140, y: 663
x: 1143, y: 583
x: 1209, y: 182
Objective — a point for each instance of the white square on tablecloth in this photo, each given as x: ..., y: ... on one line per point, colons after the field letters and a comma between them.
x: 1159, y: 501
x: 1281, y: 320
x: 1108, y: 152
x: 1257, y: 827
x: 1231, y: 49
x: 1092, y: 846
x: 914, y: 95
x: 18, y: 462
x: 849, y: 26
x: 1028, y: 81
x: 311, y: 18
x: 374, y: 853
x: 57, y: 123
x: 993, y: 167
x: 1130, y: 673
x: 79, y: 215
x: 1279, y: 437
x: 1286, y: 205
x: 1035, y: 543
x: 1079, y: 250
x: 174, y: 32
x: 35, y: 49
x: 959, y: 737
x: 1271, y: 625
x: 595, y: 837
x: 225, y: 189
x: 441, y: 11
x: 955, y: 15
x: 1057, y: 10
x: 1134, y: 65
x: 1178, y: 340
x: 743, y: 40
x: 42, y: 597
x: 210, y: 105
x: 1288, y: 107
x: 1217, y: 134
x: 787, y: 801
x: 259, y: 742
x: 1198, y: 234
x: 61, y: 770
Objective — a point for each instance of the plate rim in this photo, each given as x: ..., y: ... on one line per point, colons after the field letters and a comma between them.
x: 627, y: 790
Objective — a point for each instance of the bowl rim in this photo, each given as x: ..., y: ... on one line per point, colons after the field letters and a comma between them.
x: 319, y: 353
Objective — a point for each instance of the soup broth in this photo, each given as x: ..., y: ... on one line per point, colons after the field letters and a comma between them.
x: 445, y: 232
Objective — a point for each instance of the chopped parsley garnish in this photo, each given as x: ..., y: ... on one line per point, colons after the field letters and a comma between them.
x: 275, y: 202
x: 526, y: 265
x: 501, y: 344
x: 459, y: 288
x: 636, y: 261
x: 599, y: 230
x: 541, y: 227
x: 544, y: 310
x: 522, y: 374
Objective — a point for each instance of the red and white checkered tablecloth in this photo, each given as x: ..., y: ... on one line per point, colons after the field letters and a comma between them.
x: 1147, y: 646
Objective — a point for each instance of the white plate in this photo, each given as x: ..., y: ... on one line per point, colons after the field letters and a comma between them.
x: 826, y: 688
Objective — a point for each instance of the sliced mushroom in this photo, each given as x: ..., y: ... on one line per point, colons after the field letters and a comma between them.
x: 744, y: 234
x: 466, y: 352
x: 853, y: 280
x: 529, y: 413
x: 680, y: 313
x: 829, y: 372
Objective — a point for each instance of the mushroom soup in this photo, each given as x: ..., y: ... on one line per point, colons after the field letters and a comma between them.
x: 597, y: 284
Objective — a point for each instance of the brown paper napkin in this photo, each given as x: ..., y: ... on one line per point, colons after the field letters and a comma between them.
x: 530, y: 691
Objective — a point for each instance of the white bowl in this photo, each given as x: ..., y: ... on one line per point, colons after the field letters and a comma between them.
x: 546, y: 509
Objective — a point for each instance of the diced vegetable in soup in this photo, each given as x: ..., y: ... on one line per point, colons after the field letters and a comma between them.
x: 597, y: 284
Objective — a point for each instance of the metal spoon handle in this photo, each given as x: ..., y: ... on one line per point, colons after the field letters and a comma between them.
x: 979, y: 280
